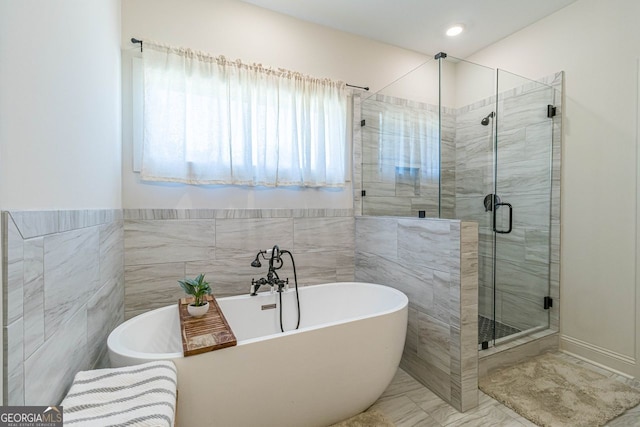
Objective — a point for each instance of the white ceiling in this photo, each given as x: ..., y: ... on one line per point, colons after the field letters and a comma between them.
x: 420, y: 24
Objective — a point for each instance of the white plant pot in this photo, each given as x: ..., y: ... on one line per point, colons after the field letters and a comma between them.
x: 198, y: 311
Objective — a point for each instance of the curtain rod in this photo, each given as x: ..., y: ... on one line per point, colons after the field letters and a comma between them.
x: 134, y: 40
x: 359, y: 87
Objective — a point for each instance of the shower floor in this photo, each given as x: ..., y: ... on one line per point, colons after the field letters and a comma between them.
x: 485, y: 329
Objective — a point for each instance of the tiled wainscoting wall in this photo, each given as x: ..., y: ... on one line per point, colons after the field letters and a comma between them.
x: 435, y: 262
x: 70, y: 277
x: 63, y: 293
x: 164, y: 246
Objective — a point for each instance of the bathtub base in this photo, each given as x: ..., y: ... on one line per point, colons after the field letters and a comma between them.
x: 244, y: 387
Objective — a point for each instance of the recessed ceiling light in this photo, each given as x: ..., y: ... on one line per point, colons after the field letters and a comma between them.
x: 455, y: 30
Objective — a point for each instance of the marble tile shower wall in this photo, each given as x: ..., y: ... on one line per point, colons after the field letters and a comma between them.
x: 63, y: 290
x: 164, y: 246
x: 526, y: 262
x: 399, y: 156
x: 434, y: 262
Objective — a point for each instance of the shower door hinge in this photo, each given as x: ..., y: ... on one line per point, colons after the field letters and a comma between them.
x: 551, y: 111
x: 362, y: 122
x: 363, y: 193
x: 548, y: 303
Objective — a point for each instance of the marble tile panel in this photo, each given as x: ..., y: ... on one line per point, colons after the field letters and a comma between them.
x: 233, y: 275
x: 485, y: 271
x: 438, y: 409
x: 423, y: 397
x: 50, y: 370
x: 74, y: 219
x: 386, y: 206
x: 103, y: 360
x: 407, y: 185
x: 527, y: 279
x: 471, y: 208
x: 474, y: 150
x: 529, y: 176
x: 153, y: 286
x: 490, y: 415
x: 345, y: 266
x: 425, y: 242
x: 403, y: 412
x: 130, y: 314
x: 427, y: 204
x: 510, y: 247
x: 111, y: 251
x: 105, y: 310
x: 71, y: 274
x: 248, y: 236
x: 36, y: 223
x: 523, y: 313
x: 434, y: 342
x: 473, y: 182
x: 539, y: 141
x: 14, y: 364
x: 403, y: 383
x: 383, y: 171
x: 411, y: 340
x: 13, y: 291
x: 312, y: 268
x: 447, y: 209
x: 33, y: 294
x: 537, y: 245
x: 229, y: 276
x: 158, y: 241
x: 248, y: 213
x: 197, y: 213
x: 469, y: 254
x: 414, y: 281
x: 441, y: 308
x: 377, y: 235
x: 455, y: 368
x: 527, y: 108
x: 150, y: 214
x: 485, y: 302
x: 322, y: 234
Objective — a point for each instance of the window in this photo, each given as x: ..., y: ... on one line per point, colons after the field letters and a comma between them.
x: 208, y: 120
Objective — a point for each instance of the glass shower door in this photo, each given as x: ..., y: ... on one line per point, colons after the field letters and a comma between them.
x: 521, y: 214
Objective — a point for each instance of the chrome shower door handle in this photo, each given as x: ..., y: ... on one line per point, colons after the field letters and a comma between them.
x: 495, y: 229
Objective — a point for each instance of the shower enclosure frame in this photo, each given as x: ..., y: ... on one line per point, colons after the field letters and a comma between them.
x: 554, y: 84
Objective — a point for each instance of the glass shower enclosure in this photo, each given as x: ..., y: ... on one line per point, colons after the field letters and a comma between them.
x: 457, y: 140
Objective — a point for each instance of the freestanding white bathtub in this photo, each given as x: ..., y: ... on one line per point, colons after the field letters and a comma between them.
x: 339, y: 361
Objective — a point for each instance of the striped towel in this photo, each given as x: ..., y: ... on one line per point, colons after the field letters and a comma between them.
x: 140, y: 395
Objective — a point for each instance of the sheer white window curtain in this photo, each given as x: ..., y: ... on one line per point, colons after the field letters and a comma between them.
x: 208, y: 120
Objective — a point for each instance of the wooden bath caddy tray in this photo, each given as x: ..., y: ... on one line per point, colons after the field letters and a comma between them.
x: 207, y: 333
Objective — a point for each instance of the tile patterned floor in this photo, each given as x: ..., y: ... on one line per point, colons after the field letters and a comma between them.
x: 408, y: 403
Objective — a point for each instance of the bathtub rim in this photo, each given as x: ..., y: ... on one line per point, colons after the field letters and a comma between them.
x: 119, y: 330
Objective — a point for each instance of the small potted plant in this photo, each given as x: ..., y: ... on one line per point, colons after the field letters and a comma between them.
x: 199, y: 288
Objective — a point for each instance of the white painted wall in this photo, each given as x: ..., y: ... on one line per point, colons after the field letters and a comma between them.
x: 596, y: 44
x: 60, y: 131
x: 240, y: 30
